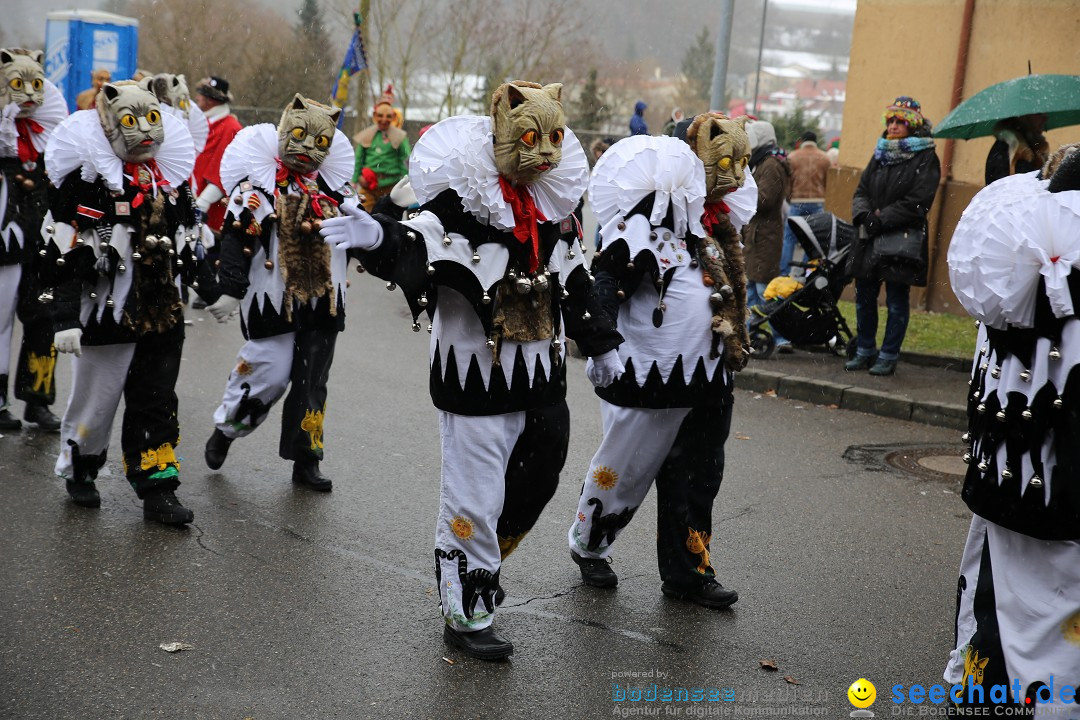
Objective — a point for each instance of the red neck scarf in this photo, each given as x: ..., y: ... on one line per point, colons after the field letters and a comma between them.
x: 712, y: 214
x: 25, y: 126
x: 526, y: 216
x: 307, y: 181
x: 132, y: 170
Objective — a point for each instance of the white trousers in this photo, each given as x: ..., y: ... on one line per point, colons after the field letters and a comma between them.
x: 9, y: 298
x: 259, y: 379
x: 636, y: 443
x: 1036, y: 586
x: 475, y: 453
x: 97, y: 383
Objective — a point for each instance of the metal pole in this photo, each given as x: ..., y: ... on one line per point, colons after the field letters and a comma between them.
x: 760, y: 47
x: 723, y: 44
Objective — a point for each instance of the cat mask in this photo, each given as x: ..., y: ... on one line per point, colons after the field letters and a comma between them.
x: 172, y: 90
x: 23, y: 80
x: 528, y: 125
x: 724, y: 148
x: 305, y: 133
x: 131, y: 118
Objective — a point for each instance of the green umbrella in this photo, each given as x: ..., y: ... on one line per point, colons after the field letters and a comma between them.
x: 1058, y: 96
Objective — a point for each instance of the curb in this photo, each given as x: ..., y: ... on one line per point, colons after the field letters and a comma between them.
x: 849, y: 397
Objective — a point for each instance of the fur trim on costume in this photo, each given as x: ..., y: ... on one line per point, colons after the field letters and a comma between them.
x: 722, y: 259
x: 303, y: 257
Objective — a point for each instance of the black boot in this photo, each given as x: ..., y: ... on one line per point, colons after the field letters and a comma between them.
x: 9, y: 421
x: 217, y: 449
x: 483, y: 644
x: 84, y: 493
x: 306, y: 473
x: 162, y: 506
x: 40, y: 414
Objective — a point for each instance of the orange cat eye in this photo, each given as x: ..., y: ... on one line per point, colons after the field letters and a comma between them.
x: 529, y: 138
x: 556, y: 136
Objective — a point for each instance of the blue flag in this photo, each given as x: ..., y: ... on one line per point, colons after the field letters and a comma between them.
x: 354, y: 62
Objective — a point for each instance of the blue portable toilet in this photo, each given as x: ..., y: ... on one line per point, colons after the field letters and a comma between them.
x: 77, y: 42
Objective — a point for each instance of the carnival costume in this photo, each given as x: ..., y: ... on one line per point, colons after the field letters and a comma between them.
x: 495, y: 260
x: 30, y: 109
x: 669, y: 277
x: 1012, y: 264
x: 121, y: 226
x: 288, y: 285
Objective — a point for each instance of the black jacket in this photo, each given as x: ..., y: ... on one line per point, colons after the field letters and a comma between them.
x: 903, y: 193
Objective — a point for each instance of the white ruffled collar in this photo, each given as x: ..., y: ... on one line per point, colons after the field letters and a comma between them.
x: 253, y: 154
x: 196, y: 123
x: 638, y: 166
x: 49, y: 114
x: 457, y: 154
x: 80, y: 143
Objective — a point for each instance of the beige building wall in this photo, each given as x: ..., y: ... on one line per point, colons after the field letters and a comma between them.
x: 909, y: 47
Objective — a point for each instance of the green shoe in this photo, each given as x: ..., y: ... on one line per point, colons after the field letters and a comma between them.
x: 860, y: 362
x: 883, y: 367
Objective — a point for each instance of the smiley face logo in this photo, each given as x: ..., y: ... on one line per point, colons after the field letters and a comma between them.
x: 862, y: 693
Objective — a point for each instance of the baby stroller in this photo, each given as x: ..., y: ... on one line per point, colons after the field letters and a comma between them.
x: 809, y: 316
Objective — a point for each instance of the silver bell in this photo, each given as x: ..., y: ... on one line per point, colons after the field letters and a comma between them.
x: 984, y: 366
x: 430, y: 269
x: 43, y: 253
x: 93, y: 295
x: 486, y: 299
x: 391, y: 286
x: 1025, y: 376
x: 1006, y: 474
x: 1026, y: 414
x: 1035, y: 481
x: 511, y: 275
x: 429, y: 328
x: 416, y: 327
x: 50, y: 230
x: 410, y: 234
x: 136, y: 256
x: 981, y: 408
x: 1000, y: 415
x: 523, y: 285
x: 1058, y: 404
x: 61, y: 262
x: 570, y: 255
x: 983, y: 466
x: 967, y: 458
x: 422, y: 302
x: 476, y: 257
x: 586, y: 316
x: 965, y: 438
x: 693, y: 263
x: 726, y: 291
x: 996, y: 372
x: 620, y: 294
x: 179, y: 262
x: 540, y: 284
x: 109, y: 302
x: 716, y: 298
x: 121, y: 268
x: 630, y: 266
x: 447, y: 241
x: 556, y: 343
x: 565, y: 293
x: 490, y: 343
x: 1055, y: 354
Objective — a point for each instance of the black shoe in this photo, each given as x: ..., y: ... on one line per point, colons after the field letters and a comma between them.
x: 307, y: 473
x: 597, y: 573
x: 84, y: 494
x: 710, y: 594
x: 883, y: 368
x: 9, y: 421
x: 163, y: 507
x: 42, y: 416
x: 217, y: 449
x: 500, y: 595
x: 483, y: 644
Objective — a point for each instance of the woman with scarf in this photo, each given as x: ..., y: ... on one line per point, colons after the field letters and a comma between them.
x: 895, y: 194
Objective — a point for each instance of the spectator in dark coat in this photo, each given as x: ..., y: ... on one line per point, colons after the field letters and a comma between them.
x: 637, y: 120
x: 895, y: 193
x: 763, y: 236
x: 1020, y: 147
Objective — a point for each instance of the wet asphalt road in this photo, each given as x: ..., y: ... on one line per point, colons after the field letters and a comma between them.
x: 303, y: 605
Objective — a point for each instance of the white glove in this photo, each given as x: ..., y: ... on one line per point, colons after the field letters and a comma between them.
x: 355, y: 230
x: 605, y: 369
x: 224, y: 308
x: 69, y: 341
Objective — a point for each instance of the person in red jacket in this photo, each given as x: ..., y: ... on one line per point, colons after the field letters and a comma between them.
x: 213, y: 97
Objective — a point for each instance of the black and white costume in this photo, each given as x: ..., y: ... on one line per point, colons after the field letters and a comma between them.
x: 23, y: 203
x: 291, y: 285
x: 117, y: 235
x: 498, y: 371
x: 1012, y: 264
x: 667, y: 418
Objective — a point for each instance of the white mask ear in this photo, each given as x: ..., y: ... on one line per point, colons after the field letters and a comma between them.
x: 110, y: 91
x: 38, y: 56
x: 335, y: 115
x: 6, y: 57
